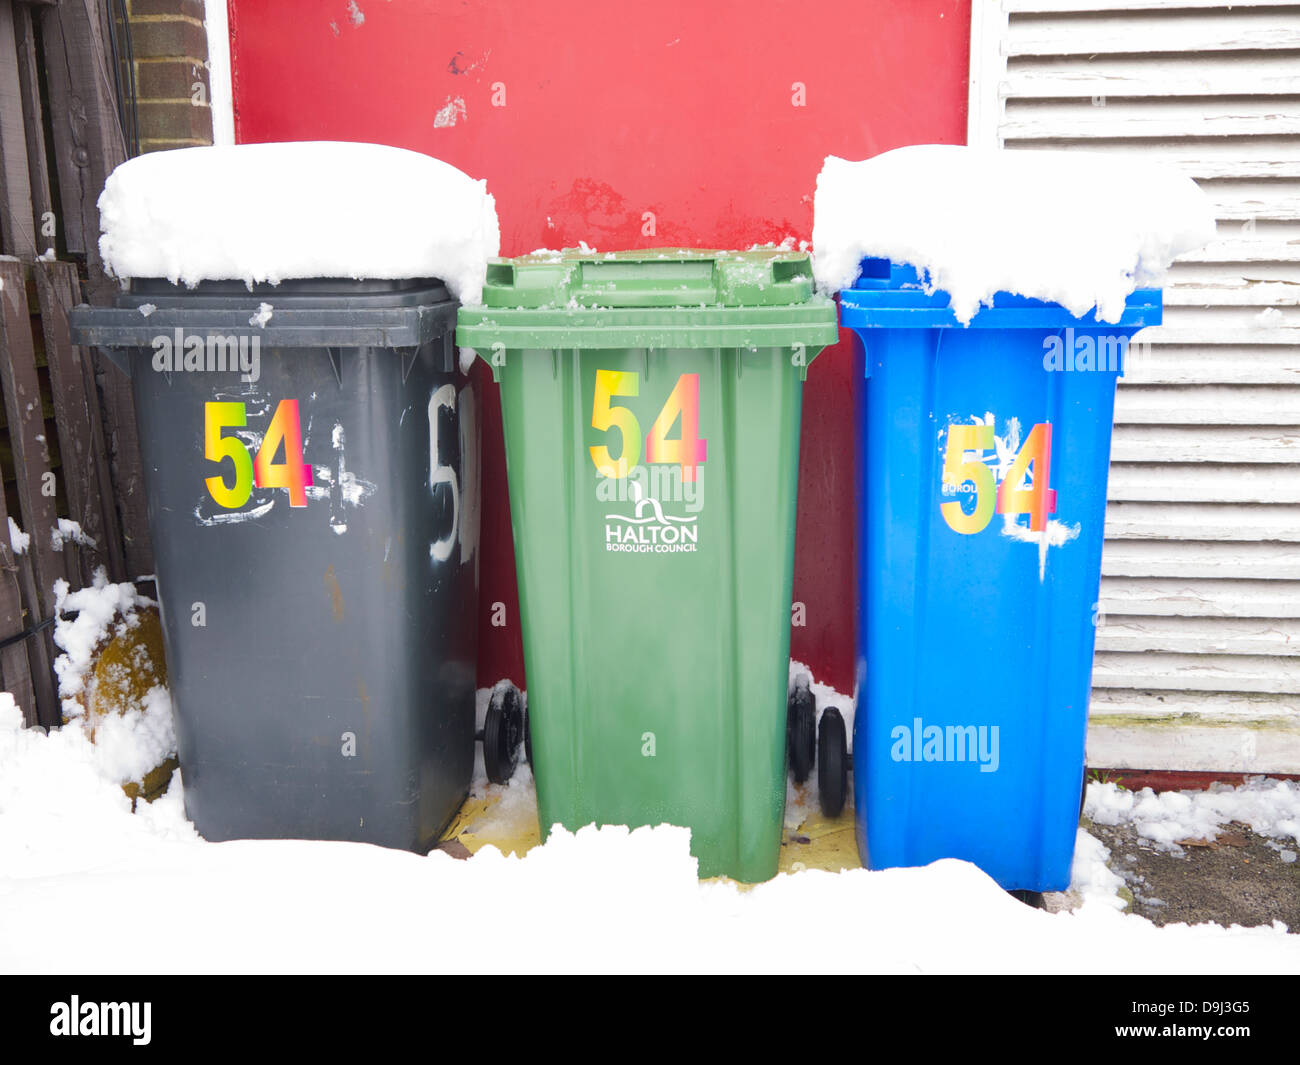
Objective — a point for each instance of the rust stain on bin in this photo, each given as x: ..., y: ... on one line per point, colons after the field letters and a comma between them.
x: 336, y: 593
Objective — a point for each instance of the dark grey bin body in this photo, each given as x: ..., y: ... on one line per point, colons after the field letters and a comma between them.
x: 329, y: 691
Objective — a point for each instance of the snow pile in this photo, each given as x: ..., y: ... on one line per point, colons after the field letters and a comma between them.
x: 132, y: 736
x: 1091, y: 878
x: 266, y: 212
x: 1079, y: 228
x: 18, y: 540
x: 1270, y: 807
x: 133, y: 743
x: 60, y: 814
x: 101, y: 610
x: 595, y: 900
x: 69, y: 532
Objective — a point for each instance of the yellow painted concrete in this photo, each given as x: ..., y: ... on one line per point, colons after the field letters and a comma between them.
x: 817, y: 842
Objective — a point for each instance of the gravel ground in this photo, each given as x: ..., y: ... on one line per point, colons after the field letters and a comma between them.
x: 1240, y: 878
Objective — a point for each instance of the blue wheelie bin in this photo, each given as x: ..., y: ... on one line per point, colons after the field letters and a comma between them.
x: 984, y: 452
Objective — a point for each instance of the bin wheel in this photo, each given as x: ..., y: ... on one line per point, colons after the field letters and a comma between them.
x: 501, y: 733
x: 801, y: 732
x: 1028, y: 897
x: 832, y: 762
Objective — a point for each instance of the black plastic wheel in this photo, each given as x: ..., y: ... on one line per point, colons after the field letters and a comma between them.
x: 502, y: 730
x: 1028, y: 897
x: 801, y: 732
x: 832, y: 762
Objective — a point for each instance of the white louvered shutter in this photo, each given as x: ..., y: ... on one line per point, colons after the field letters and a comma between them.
x: 1198, y: 657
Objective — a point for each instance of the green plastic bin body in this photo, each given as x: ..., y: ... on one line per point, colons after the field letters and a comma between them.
x: 652, y: 452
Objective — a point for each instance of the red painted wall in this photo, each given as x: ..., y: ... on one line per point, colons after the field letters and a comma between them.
x: 582, y: 118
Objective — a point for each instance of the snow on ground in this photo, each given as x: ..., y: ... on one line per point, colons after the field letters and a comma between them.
x: 608, y: 899
x: 1079, y: 228
x: 1270, y: 807
x: 298, y: 210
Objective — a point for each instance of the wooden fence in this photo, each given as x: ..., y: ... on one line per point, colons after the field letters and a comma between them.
x: 68, y: 449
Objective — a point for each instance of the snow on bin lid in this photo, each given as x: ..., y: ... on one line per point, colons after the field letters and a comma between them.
x: 1081, y: 229
x: 267, y: 212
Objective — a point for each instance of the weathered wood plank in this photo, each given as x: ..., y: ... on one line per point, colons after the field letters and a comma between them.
x: 1098, y: 85
x: 1245, y: 636
x: 1184, y: 443
x: 34, y: 124
x: 1200, y: 673
x: 26, y: 426
x: 1247, y: 330
x: 1154, y: 482
x: 121, y: 435
x: 41, y: 565
x: 1084, y: 7
x: 1153, y: 34
x: 1202, y: 521
x: 16, y: 217
x: 1194, y: 597
x: 128, y: 470
x: 1207, y: 405
x: 1256, y: 294
x: 1226, y: 250
x: 1242, y: 706
x: 1241, y: 364
x: 86, y: 467
x: 88, y: 137
x: 1125, y: 127
x: 1189, y: 558
x: 15, y: 672
x: 1189, y: 745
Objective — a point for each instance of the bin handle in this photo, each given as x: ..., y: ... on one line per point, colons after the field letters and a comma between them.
x: 671, y: 283
x: 117, y: 357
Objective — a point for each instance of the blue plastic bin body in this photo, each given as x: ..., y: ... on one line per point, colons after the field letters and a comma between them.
x: 977, y: 620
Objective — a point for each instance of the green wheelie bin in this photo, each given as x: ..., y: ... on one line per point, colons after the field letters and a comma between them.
x: 651, y: 404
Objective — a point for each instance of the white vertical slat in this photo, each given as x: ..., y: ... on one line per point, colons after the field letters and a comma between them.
x: 1198, y: 666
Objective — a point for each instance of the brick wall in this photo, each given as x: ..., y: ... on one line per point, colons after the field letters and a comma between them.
x: 171, y: 74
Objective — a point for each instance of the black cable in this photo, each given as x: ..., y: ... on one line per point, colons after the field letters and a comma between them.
x: 26, y: 634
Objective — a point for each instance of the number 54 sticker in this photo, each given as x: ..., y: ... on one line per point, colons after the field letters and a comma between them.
x: 292, y: 474
x: 688, y: 451
x: 1038, y: 500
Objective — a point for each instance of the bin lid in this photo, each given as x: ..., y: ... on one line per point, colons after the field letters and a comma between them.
x: 298, y: 313
x: 655, y: 277
x: 657, y: 298
x: 890, y: 295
